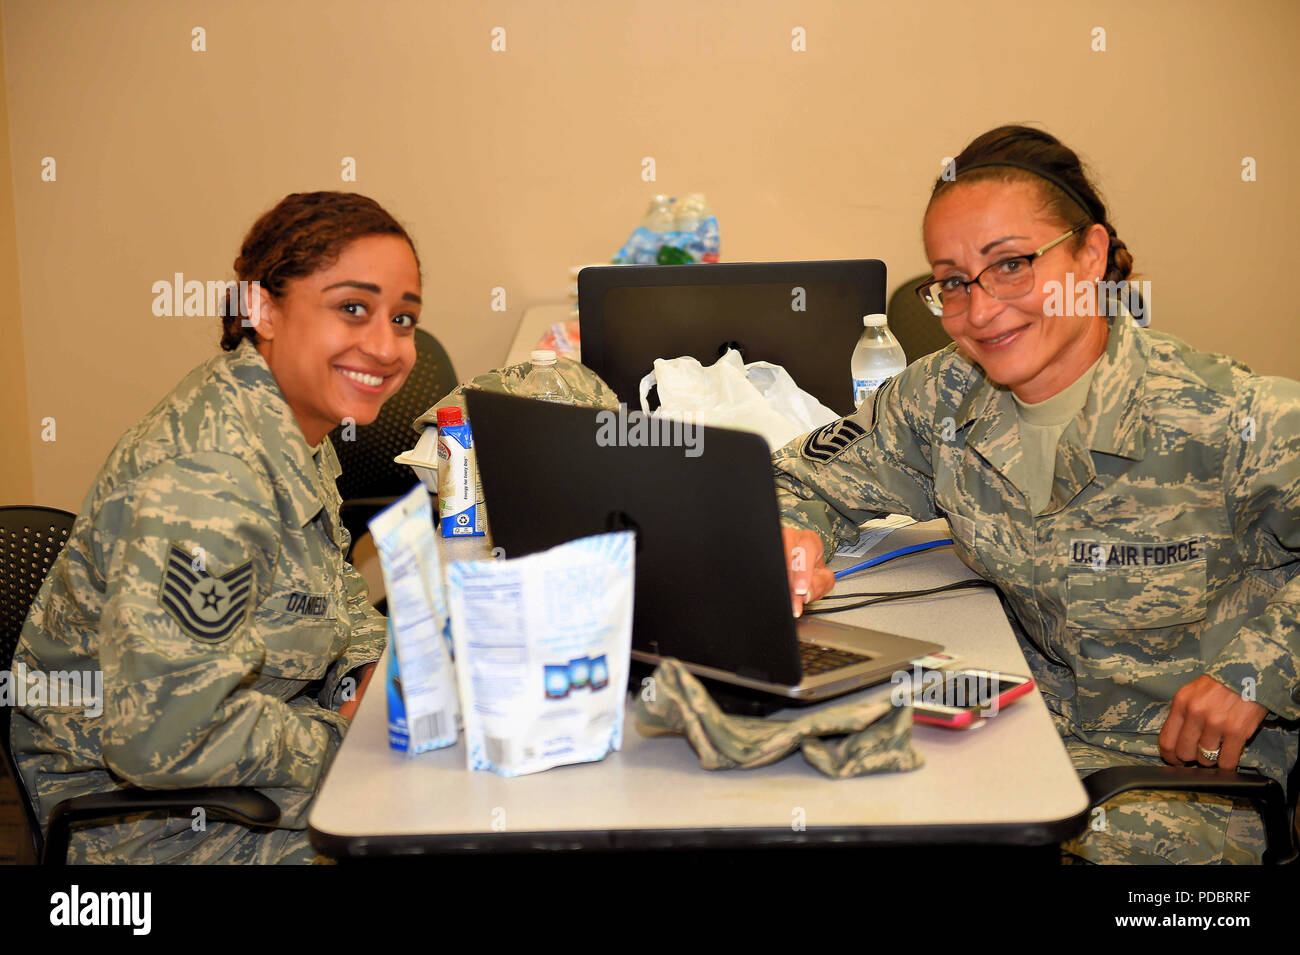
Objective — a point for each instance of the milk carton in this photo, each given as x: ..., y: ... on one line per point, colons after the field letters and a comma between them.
x: 460, y: 491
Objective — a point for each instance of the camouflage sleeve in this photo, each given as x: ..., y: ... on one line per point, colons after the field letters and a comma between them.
x: 1262, y: 484
x: 588, y: 388
x: 877, y: 459
x: 366, y: 643
x: 188, y: 550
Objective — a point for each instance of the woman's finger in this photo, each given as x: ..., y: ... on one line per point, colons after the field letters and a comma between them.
x: 809, y: 576
x: 1168, y: 738
x: 1189, y: 737
x: 822, y: 583
x: 1210, y: 741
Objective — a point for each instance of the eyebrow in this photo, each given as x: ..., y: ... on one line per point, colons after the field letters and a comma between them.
x: 372, y: 288
x: 985, y: 250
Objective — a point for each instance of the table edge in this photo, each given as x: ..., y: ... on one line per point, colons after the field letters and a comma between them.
x: 1041, y: 833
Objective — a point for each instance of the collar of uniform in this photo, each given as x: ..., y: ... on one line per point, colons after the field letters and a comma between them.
x: 330, y: 469
x: 995, y: 433
x: 1112, y: 416
x: 296, y: 473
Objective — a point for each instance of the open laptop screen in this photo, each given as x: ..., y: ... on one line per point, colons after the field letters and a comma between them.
x: 711, y: 582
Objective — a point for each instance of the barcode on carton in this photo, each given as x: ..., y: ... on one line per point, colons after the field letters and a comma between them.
x: 430, y: 726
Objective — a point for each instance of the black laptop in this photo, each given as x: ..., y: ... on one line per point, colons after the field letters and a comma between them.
x: 711, y: 583
x: 804, y: 316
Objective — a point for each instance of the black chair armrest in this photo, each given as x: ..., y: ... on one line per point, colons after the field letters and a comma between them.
x: 371, y: 505
x: 1266, y: 794
x: 233, y: 803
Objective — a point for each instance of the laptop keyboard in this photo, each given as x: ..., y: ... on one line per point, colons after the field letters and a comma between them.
x: 816, y: 659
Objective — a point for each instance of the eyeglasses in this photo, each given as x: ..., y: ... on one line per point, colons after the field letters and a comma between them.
x: 1007, y: 279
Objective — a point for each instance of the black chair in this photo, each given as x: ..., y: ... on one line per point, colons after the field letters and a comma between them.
x: 370, y: 480
x: 1278, y: 809
x: 30, y: 540
x: 914, y: 325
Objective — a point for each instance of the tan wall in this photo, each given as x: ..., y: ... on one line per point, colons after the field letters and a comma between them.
x: 15, y: 439
x: 510, y: 167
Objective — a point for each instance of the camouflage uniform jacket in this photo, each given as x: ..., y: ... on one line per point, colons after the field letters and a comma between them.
x: 1170, y: 548
x: 205, y: 578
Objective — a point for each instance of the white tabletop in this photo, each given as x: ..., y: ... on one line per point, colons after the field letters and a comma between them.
x: 1009, y: 781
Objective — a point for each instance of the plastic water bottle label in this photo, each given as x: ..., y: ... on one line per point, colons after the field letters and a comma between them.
x: 865, y: 386
x: 641, y: 248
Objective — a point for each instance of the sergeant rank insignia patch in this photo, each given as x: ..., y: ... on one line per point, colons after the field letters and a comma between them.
x: 206, y: 607
x: 826, y: 442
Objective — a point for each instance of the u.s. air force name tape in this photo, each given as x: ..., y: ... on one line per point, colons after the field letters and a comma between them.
x: 206, y: 606
x: 827, y: 442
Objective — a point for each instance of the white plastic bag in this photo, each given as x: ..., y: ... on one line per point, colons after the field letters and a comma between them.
x: 759, y: 397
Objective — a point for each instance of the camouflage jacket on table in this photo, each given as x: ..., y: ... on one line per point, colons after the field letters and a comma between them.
x: 205, y: 578
x: 588, y: 388
x: 1170, y: 548
x: 851, y: 739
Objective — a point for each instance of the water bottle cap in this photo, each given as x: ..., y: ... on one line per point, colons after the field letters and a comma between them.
x: 449, y: 416
x: 874, y: 321
x: 543, y: 356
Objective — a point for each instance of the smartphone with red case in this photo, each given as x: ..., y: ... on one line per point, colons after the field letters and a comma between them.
x: 956, y: 698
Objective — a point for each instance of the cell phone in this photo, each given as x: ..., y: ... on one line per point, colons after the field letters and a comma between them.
x: 956, y: 698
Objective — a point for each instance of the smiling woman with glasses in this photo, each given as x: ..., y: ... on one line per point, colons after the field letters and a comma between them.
x: 1136, y: 502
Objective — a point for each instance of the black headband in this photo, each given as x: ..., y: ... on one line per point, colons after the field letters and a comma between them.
x: 1037, y: 172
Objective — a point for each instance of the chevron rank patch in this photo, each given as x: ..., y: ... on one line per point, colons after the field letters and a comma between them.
x: 827, y: 442
x: 205, y: 606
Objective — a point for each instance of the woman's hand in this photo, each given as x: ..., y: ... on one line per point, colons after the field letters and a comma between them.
x: 1205, y: 714
x: 349, y: 709
x: 810, y: 578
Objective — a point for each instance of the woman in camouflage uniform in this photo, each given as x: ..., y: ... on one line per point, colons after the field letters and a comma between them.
x: 205, y: 574
x: 1136, y: 502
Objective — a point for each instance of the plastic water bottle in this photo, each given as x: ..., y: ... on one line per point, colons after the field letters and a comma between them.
x: 544, y: 380
x: 642, y: 246
x: 877, y: 358
x: 697, y: 219
x: 695, y: 234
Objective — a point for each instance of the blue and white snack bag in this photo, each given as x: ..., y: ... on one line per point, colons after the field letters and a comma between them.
x: 543, y: 644
x: 398, y: 738
x: 421, y: 679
